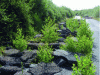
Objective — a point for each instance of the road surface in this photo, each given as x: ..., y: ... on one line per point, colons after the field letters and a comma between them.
x: 95, y: 26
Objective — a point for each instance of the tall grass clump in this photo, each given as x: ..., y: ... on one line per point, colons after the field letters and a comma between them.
x: 49, y: 32
x: 85, y: 66
x: 19, y: 42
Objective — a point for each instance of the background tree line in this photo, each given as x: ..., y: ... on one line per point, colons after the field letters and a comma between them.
x: 95, y: 12
x: 24, y: 14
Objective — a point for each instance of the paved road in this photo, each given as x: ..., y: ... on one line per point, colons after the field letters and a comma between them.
x: 94, y: 26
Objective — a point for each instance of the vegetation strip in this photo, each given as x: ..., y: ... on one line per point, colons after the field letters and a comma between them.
x: 82, y: 46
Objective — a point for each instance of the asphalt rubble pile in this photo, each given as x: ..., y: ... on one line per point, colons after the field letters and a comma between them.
x: 11, y: 61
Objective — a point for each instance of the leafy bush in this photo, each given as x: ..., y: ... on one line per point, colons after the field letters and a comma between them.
x: 70, y: 45
x: 31, y: 31
x: 85, y: 66
x: 19, y: 42
x: 95, y: 12
x: 44, y: 53
x: 84, y: 45
x: 49, y: 34
x: 72, y: 24
x: 31, y: 34
x: 85, y: 30
x: 84, y: 36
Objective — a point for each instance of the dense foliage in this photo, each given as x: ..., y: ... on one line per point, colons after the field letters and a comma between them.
x: 26, y: 14
x: 95, y: 12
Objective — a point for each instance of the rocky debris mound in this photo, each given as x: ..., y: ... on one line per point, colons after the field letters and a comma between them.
x: 12, y: 58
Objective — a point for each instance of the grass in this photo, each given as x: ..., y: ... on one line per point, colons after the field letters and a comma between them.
x: 79, y: 45
x: 98, y: 19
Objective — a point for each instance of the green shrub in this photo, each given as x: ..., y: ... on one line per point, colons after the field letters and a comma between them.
x: 72, y: 24
x: 84, y: 45
x: 84, y: 36
x: 31, y: 31
x: 19, y: 42
x: 70, y: 45
x: 49, y: 34
x: 44, y: 53
x: 85, y: 30
x: 31, y: 34
x: 85, y: 66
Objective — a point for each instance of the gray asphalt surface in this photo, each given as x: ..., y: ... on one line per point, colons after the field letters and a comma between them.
x: 94, y: 26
